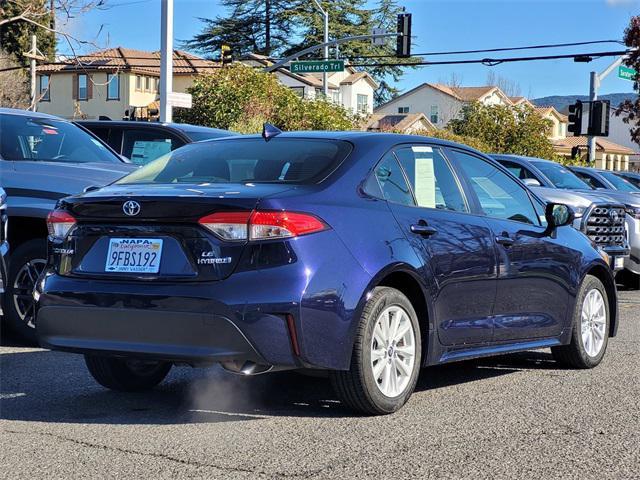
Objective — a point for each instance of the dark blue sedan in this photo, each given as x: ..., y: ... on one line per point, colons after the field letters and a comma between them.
x: 368, y: 255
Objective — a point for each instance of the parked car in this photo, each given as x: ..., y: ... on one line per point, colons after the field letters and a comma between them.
x: 368, y: 255
x: 604, y: 180
x: 632, y: 177
x: 593, y: 210
x: 42, y: 159
x: 142, y: 142
x: 625, y: 191
x: 4, y: 246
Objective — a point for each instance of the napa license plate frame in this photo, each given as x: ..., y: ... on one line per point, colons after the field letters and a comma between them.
x: 134, y: 255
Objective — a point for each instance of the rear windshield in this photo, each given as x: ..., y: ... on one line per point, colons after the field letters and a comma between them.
x: 247, y: 160
x: 560, y: 176
x: 49, y: 140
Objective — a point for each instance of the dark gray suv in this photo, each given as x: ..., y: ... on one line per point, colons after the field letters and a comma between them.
x: 42, y: 159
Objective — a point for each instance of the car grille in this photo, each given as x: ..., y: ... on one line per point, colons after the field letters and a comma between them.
x: 605, y: 226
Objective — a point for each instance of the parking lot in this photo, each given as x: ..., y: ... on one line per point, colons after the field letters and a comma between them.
x: 516, y: 416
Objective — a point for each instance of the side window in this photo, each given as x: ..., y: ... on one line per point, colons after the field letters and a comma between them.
x: 517, y: 170
x: 144, y: 146
x: 434, y: 184
x: 388, y: 182
x: 499, y: 195
x: 592, y: 181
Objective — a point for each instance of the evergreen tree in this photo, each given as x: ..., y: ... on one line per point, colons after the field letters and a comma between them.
x: 15, y: 37
x: 251, y: 26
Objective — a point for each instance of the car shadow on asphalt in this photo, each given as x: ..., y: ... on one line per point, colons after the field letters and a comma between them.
x: 44, y: 386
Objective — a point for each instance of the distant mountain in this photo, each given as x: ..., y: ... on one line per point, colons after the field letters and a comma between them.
x: 562, y: 102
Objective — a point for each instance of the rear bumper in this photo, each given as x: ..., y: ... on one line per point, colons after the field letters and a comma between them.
x: 167, y: 335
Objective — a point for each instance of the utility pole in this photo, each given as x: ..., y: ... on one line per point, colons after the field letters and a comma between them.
x: 325, y: 81
x: 593, y: 96
x: 166, y: 60
x: 33, y: 55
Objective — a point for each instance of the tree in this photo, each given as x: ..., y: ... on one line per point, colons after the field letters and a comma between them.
x: 510, y: 87
x: 241, y: 98
x: 280, y: 28
x: 630, y: 109
x: 505, y: 129
x: 15, y: 36
x: 14, y: 89
x: 251, y: 26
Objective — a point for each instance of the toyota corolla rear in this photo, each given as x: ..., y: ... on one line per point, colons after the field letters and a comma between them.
x: 213, y: 253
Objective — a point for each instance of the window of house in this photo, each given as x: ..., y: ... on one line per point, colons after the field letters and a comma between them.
x: 43, y: 88
x: 403, y: 109
x: 335, y: 96
x: 362, y: 103
x: 299, y: 91
x: 148, y: 84
x: 138, y: 82
x: 83, y: 87
x: 113, y: 86
x: 434, y: 114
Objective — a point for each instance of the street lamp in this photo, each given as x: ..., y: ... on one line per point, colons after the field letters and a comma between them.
x: 325, y: 82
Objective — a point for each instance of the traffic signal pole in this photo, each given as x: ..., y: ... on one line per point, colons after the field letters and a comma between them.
x: 325, y: 80
x: 166, y: 60
x: 593, y: 96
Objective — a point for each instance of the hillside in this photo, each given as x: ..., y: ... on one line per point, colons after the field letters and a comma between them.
x: 561, y: 102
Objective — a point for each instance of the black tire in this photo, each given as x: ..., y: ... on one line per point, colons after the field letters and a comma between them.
x: 126, y: 375
x: 631, y: 280
x: 357, y: 388
x: 32, y: 256
x: 574, y: 354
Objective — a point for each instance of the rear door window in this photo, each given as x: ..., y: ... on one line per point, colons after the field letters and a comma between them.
x: 431, y: 178
x: 388, y: 182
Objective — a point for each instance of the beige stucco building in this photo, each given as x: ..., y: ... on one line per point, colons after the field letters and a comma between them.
x: 112, y: 83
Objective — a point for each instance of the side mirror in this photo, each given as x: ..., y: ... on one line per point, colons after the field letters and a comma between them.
x: 531, y: 182
x: 558, y: 215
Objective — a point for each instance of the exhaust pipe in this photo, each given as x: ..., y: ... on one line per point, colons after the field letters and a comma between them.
x: 246, y: 368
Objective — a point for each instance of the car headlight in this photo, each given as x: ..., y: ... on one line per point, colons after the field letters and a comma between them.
x: 579, y: 211
x: 634, y: 212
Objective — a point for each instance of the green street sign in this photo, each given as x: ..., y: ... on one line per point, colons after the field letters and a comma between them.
x: 626, y: 73
x: 318, y: 66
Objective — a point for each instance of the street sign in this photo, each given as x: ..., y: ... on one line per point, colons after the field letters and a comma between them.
x: 626, y: 73
x: 318, y: 66
x: 182, y: 100
x: 377, y: 38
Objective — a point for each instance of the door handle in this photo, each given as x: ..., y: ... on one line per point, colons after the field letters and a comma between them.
x: 421, y: 228
x: 504, y: 239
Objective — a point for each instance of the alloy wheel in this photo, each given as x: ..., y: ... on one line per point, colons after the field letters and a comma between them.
x: 593, y: 322
x: 393, y: 351
x: 23, y: 286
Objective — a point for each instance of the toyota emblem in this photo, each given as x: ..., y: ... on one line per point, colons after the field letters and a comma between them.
x: 131, y: 208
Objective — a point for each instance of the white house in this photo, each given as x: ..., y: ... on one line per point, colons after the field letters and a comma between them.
x: 441, y: 103
x: 351, y: 88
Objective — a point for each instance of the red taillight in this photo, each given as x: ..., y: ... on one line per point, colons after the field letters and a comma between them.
x: 261, y: 225
x: 59, y: 223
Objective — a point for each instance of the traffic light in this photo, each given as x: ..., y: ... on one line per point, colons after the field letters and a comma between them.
x: 225, y: 55
x: 599, y: 118
x: 575, y: 119
x: 403, y: 45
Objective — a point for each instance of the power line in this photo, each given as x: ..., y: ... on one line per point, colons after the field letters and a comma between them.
x: 484, y: 61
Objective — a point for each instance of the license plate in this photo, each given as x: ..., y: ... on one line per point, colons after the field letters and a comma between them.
x: 618, y: 263
x: 134, y: 255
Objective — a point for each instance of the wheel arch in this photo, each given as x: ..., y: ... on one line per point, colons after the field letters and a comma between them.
x: 603, y: 273
x: 406, y: 279
x: 22, y: 229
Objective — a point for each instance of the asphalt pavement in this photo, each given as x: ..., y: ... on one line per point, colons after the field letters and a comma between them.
x: 516, y: 416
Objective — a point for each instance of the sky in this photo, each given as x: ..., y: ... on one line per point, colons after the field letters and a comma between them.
x: 438, y: 25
